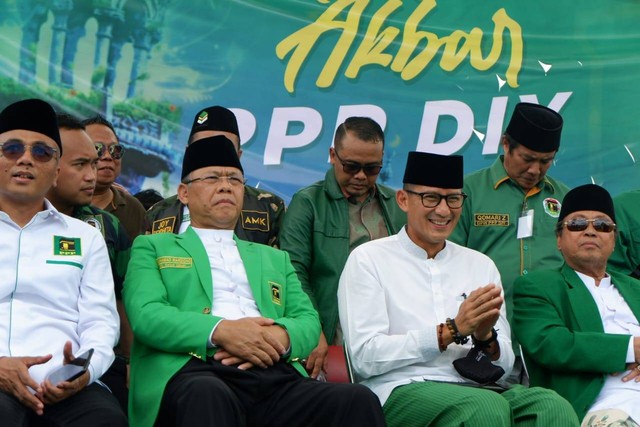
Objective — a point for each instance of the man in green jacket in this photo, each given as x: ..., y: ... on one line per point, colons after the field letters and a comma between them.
x: 328, y: 219
x: 262, y: 213
x: 578, y: 324
x: 513, y: 205
x: 220, y: 324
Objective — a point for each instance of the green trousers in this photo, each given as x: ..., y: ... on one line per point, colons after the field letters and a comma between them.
x: 428, y: 403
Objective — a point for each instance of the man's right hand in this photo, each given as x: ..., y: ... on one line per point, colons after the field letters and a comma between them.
x: 247, y: 339
x: 15, y: 378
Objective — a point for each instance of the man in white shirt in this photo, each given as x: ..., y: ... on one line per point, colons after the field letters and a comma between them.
x: 578, y: 325
x: 410, y: 303
x: 56, y: 289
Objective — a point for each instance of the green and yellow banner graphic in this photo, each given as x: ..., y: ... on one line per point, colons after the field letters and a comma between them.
x: 439, y: 76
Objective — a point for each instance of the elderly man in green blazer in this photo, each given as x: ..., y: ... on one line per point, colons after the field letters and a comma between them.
x: 578, y: 325
x: 220, y: 324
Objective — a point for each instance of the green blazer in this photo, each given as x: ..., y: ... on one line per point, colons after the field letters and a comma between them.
x: 168, y: 293
x: 560, y: 329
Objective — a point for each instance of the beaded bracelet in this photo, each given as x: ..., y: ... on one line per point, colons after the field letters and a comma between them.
x: 458, y: 338
x: 441, y: 345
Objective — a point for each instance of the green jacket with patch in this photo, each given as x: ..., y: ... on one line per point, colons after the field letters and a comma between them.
x: 489, y: 224
x: 115, y: 236
x: 168, y: 294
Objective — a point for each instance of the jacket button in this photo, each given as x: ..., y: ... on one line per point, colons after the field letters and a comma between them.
x: 206, y: 310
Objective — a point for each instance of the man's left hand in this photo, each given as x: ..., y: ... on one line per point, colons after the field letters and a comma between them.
x: 52, y: 393
x: 317, y: 360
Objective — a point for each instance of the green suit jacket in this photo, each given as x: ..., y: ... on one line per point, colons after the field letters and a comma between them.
x: 168, y: 294
x: 562, y: 337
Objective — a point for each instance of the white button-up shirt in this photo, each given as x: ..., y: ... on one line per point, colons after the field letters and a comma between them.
x: 391, y: 298
x: 56, y: 286
x: 617, y: 318
x: 232, y: 295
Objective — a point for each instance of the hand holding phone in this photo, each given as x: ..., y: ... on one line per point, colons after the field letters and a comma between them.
x: 71, y: 370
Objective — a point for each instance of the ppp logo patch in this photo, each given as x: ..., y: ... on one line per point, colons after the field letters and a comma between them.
x: 552, y: 207
x: 275, y: 293
x: 67, y: 246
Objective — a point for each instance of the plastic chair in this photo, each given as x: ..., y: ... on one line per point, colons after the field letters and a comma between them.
x: 338, y: 369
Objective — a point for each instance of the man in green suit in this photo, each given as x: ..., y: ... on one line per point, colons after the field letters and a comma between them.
x: 220, y: 323
x: 578, y: 325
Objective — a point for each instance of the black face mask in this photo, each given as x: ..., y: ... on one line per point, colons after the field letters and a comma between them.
x: 477, y: 366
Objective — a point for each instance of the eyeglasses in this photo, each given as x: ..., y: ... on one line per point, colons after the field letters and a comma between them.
x: 353, y: 168
x: 40, y: 151
x: 116, y: 150
x: 234, y: 181
x: 599, y: 224
x: 431, y: 200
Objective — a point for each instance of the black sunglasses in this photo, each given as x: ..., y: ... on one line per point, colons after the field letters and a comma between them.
x: 40, y: 151
x: 599, y: 224
x: 116, y: 150
x: 353, y: 168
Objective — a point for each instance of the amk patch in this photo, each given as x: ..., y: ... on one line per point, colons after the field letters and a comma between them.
x: 67, y: 245
x: 255, y: 220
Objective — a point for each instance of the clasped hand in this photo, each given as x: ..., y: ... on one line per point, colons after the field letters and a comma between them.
x: 15, y: 380
x: 248, y: 342
x: 479, y: 312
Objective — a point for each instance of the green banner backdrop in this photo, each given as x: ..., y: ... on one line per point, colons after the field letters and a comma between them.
x: 439, y: 76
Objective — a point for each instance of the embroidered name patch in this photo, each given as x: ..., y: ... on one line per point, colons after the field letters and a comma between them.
x: 552, y: 207
x: 275, y: 293
x: 164, y: 225
x: 67, y: 245
x: 255, y: 220
x: 490, y: 219
x: 174, y: 262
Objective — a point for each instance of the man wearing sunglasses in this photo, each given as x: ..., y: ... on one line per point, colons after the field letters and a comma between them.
x: 578, y: 324
x: 72, y: 196
x: 513, y: 205
x: 413, y: 304
x: 328, y: 219
x: 109, y: 196
x: 262, y: 212
x: 56, y: 290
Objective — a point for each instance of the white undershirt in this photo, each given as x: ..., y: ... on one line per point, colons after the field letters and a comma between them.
x: 617, y: 318
x: 232, y: 295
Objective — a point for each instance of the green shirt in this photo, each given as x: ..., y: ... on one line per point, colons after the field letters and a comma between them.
x: 489, y: 224
x: 625, y: 259
x: 316, y: 233
x: 115, y: 236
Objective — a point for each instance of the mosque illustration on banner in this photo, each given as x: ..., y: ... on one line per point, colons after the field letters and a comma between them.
x: 147, y: 128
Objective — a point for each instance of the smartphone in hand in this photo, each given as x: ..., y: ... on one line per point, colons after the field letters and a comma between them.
x: 71, y: 370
